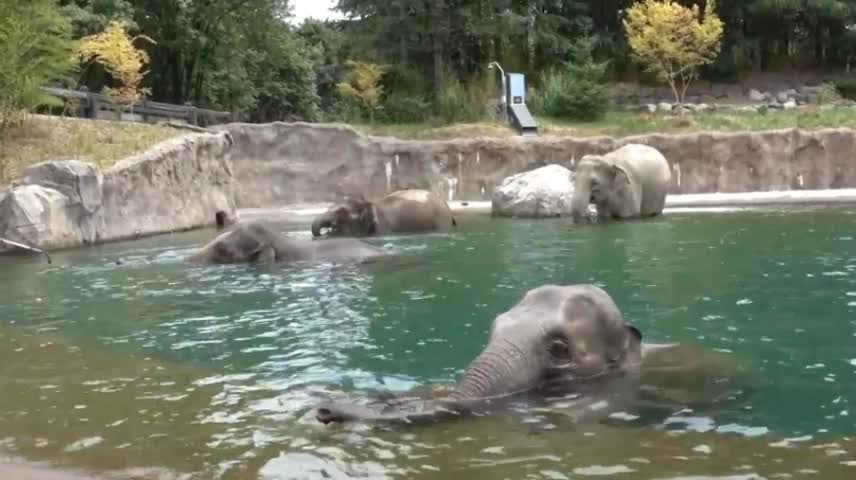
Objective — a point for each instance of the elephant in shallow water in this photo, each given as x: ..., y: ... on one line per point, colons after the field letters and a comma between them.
x: 566, y: 349
x: 402, y: 211
x: 630, y: 182
x: 257, y: 242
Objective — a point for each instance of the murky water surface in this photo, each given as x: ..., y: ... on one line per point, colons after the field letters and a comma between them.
x: 158, y: 369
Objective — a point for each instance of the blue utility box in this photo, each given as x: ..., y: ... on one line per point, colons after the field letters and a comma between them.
x: 516, y: 94
x: 515, y: 101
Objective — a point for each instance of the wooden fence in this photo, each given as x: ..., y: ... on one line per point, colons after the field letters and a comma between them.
x: 105, y: 107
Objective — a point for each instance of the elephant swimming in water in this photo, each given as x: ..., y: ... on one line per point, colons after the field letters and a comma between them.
x: 257, y: 242
x: 557, y: 340
x: 631, y: 182
x: 403, y: 211
x: 565, y: 348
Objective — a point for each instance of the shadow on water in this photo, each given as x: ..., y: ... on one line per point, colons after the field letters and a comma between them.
x: 156, y: 368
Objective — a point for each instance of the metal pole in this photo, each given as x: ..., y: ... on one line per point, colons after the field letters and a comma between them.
x: 502, y: 99
x: 4, y: 241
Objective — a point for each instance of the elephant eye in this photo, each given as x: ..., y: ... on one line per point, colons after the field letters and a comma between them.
x: 559, y: 349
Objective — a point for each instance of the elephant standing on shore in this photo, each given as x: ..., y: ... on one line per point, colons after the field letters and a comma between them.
x: 403, y: 211
x: 257, y: 242
x: 630, y: 182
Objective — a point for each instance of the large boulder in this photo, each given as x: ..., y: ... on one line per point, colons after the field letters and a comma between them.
x: 180, y: 184
x: 538, y: 193
x: 53, y: 205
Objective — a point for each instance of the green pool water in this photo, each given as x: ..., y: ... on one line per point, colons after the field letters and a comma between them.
x: 158, y: 369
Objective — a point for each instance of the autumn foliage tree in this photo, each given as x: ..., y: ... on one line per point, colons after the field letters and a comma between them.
x: 114, y: 49
x: 672, y: 41
x: 363, y: 85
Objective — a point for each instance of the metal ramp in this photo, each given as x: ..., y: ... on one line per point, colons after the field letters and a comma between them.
x: 522, y: 120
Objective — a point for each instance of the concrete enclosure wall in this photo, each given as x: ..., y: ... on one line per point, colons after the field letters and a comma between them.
x: 285, y: 163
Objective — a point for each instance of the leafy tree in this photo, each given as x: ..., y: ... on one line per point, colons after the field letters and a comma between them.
x: 114, y: 49
x: 671, y: 41
x: 35, y: 49
x: 363, y: 85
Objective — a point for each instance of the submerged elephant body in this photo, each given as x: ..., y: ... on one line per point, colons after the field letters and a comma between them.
x: 630, y: 182
x: 566, y: 343
x: 257, y: 242
x: 403, y: 211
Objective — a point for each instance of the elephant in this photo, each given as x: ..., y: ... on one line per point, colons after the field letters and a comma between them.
x: 402, y: 211
x: 258, y: 242
x: 567, y: 342
x: 630, y: 182
x: 567, y: 350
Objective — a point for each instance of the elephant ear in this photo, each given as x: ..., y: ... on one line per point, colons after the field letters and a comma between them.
x: 619, y: 170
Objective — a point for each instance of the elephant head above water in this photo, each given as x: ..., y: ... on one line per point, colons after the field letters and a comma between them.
x: 556, y: 340
x: 258, y: 242
x: 399, y: 212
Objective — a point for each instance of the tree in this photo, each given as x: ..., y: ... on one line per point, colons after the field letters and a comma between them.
x: 671, y: 41
x: 114, y: 49
x: 363, y: 85
x: 35, y: 49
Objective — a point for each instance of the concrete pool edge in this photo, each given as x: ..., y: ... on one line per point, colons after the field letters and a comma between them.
x: 691, y: 202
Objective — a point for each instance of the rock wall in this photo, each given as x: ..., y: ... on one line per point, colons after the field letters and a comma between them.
x: 287, y: 163
x: 179, y: 184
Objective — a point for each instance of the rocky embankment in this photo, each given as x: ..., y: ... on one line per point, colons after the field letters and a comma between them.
x: 279, y: 164
x: 199, y: 179
x: 180, y: 184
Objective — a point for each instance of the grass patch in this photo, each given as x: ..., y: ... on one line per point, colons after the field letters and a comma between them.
x: 103, y: 143
x: 621, y: 124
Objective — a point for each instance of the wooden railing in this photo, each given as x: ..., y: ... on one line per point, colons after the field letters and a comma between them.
x: 100, y: 106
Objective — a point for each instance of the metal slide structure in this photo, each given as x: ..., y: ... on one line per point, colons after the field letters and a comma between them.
x: 518, y: 113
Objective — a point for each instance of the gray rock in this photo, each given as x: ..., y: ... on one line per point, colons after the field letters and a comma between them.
x: 789, y: 105
x: 702, y: 107
x: 756, y: 96
x: 782, y: 97
x: 77, y: 180
x: 538, y: 193
x: 180, y: 184
x: 650, y: 107
x: 774, y: 105
x: 41, y: 217
x: 54, y: 205
x: 664, y: 107
x: 177, y: 185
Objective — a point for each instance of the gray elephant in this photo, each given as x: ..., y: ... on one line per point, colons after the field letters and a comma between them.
x: 257, y: 242
x: 566, y: 350
x: 630, y: 182
x: 567, y: 342
x: 403, y: 211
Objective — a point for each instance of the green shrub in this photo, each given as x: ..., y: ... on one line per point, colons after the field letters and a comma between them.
x: 846, y: 87
x: 459, y: 103
x: 405, y: 108
x: 575, y: 91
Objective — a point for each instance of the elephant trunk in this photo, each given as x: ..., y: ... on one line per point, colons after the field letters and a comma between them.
x: 580, y: 200
x: 323, y: 221
x: 503, y: 368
